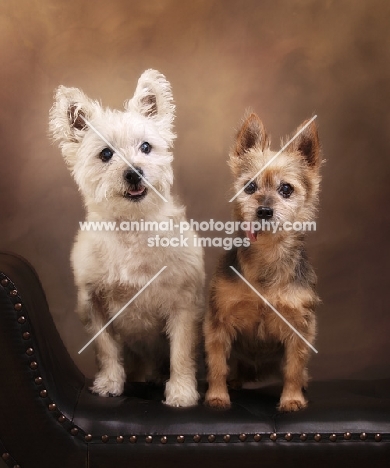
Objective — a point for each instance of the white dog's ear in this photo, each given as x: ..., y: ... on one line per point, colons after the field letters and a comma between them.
x: 153, y: 99
x: 67, y: 115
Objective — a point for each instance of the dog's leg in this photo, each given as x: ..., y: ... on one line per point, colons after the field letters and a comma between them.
x: 218, y: 346
x: 182, y: 331
x: 295, y: 374
x: 110, y: 379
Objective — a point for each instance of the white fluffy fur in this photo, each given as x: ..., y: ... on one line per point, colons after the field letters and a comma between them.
x: 111, y: 267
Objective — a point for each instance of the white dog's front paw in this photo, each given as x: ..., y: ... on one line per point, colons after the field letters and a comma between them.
x: 107, y: 385
x: 181, y: 393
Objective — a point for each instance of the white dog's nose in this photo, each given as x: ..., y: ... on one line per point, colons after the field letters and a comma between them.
x: 133, y: 176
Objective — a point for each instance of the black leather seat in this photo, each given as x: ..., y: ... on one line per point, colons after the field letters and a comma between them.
x: 48, y: 417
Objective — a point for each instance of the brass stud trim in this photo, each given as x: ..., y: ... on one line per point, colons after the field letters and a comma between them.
x: 288, y: 436
x: 363, y: 436
x: 257, y: 437
x: 33, y: 365
x: 149, y: 439
x: 347, y: 436
x: 333, y: 437
x: 378, y: 437
x: 14, y: 292
x: 18, y: 306
x: 38, y: 380
x: 105, y: 438
x: 133, y: 439
x: 4, y: 282
x: 52, y: 407
x: 88, y: 437
x: 197, y: 438
x: 43, y: 393
x: 26, y: 335
x: 30, y: 351
x: 61, y: 418
x: 6, y: 455
x: 120, y: 439
x: 74, y: 431
x: 226, y: 438
x: 16, y: 466
x: 211, y: 438
x: 317, y: 437
x: 273, y: 436
x: 164, y: 439
x: 180, y: 439
x: 303, y: 437
x: 242, y: 437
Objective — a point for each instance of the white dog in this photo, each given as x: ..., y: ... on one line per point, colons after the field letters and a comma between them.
x: 121, y: 162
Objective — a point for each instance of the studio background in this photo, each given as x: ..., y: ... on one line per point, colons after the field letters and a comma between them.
x: 287, y: 60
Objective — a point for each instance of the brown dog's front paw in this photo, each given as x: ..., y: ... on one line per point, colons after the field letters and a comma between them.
x: 289, y: 405
x: 218, y: 401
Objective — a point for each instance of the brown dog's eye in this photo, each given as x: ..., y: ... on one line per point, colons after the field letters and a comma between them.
x: 285, y: 190
x: 106, y: 154
x: 250, y: 188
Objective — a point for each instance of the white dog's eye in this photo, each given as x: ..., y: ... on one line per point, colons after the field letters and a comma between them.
x: 146, y: 147
x: 106, y: 154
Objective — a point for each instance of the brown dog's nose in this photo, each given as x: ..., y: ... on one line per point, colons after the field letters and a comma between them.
x: 264, y: 212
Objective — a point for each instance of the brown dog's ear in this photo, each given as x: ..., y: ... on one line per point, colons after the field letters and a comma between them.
x: 251, y: 134
x: 307, y: 144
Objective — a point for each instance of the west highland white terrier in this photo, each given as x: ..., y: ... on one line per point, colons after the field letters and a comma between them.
x: 121, y: 162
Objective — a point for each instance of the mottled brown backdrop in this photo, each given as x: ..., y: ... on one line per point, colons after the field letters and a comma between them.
x: 287, y: 60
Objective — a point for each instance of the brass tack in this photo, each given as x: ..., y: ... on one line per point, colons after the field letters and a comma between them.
x: 164, y: 439
x: 378, y: 437
x: 317, y: 437
x: 61, y: 418
x: 74, y: 431
x: 288, y: 436
x: 33, y: 365
x: 43, y: 393
x: 29, y: 351
x: 273, y: 436
x: 18, y: 306
x: 5, y: 455
x: 52, y: 407
x: 196, y: 438
x: 38, y: 380
x: 363, y: 436
x: 14, y: 292
x: 120, y: 439
x: 180, y: 439
x: 105, y: 438
x: 22, y: 319
x: 257, y: 437
x: 347, y: 436
x: 149, y: 439
x: 242, y: 437
x: 211, y: 438
x: 303, y: 437
x: 88, y: 437
x: 333, y: 437
x: 26, y: 335
x: 226, y: 437
x: 16, y: 466
x: 4, y: 282
x: 133, y: 439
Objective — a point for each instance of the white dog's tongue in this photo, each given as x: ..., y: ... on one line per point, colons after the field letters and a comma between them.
x: 136, y: 192
x: 252, y: 236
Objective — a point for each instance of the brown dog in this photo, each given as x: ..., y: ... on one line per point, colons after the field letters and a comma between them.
x: 243, y: 334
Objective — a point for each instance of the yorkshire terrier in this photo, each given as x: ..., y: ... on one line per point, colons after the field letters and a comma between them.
x: 245, y: 339
x: 122, y: 163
